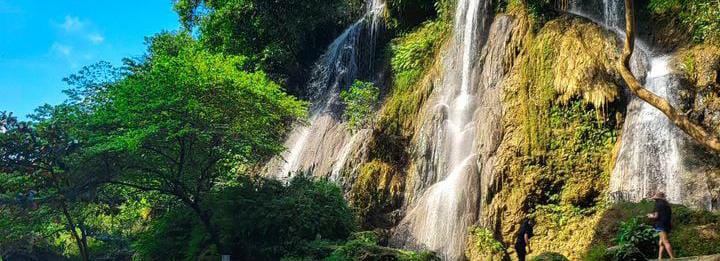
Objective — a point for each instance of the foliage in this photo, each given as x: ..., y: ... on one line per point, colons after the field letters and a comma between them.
x: 549, y: 256
x: 276, y: 220
x: 702, y: 17
x: 411, y: 60
x: 360, y: 102
x: 482, y: 245
x: 282, y: 38
x: 637, y: 234
x: 597, y: 253
x: 626, y: 252
x: 559, y: 70
x: 539, y: 11
x: 376, y: 192
x: 179, y: 124
x: 700, y: 64
x: 557, y: 147
x: 410, y: 13
x: 364, y: 246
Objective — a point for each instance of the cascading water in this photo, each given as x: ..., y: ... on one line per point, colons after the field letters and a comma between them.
x: 653, y: 150
x: 649, y: 159
x: 325, y: 137
x: 440, y: 218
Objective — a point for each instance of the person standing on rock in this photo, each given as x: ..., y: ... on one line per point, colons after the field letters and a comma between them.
x: 662, y: 216
x: 523, y: 239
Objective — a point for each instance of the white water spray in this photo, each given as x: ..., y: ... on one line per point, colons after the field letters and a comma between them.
x: 440, y: 218
x: 313, y: 147
x: 649, y: 159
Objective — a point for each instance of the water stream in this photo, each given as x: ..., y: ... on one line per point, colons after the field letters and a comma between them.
x: 650, y: 157
x: 439, y: 219
x: 322, y: 145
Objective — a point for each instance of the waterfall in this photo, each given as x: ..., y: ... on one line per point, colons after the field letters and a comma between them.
x: 313, y: 146
x: 653, y: 152
x: 649, y: 157
x: 439, y: 219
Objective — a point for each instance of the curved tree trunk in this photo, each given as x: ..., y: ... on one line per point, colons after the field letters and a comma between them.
x: 680, y: 119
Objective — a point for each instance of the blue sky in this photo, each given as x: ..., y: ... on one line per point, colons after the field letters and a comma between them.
x: 43, y: 41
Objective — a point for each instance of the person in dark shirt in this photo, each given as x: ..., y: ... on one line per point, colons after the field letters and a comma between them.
x: 523, y: 239
x: 662, y: 216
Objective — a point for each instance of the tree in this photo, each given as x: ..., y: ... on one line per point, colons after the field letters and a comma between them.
x: 360, y: 101
x: 185, y: 120
x: 679, y: 118
x: 45, y: 153
x: 282, y: 38
x: 48, y: 154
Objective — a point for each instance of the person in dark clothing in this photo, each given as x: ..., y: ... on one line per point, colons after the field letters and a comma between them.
x: 523, y: 239
x: 663, y: 224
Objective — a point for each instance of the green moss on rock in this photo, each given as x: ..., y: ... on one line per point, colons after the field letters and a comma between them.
x: 556, y: 155
x: 700, y: 65
x: 482, y: 245
x: 376, y: 192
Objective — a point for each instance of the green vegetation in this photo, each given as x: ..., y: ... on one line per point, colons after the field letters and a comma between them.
x: 282, y: 38
x: 702, y: 17
x: 624, y: 232
x: 412, y: 58
x: 360, y: 102
x: 556, y: 156
x: 636, y: 234
x: 364, y: 246
x: 260, y: 219
x: 483, y: 245
x: 549, y: 256
x: 162, y: 158
x: 376, y: 192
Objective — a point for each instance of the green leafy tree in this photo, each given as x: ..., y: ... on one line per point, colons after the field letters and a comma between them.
x: 185, y: 120
x: 44, y: 158
x: 360, y: 100
x: 283, y: 38
x: 44, y: 153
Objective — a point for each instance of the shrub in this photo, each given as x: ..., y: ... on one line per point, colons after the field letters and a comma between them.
x: 702, y: 17
x: 364, y: 246
x: 482, y: 245
x: 634, y: 233
x: 360, y: 101
x: 261, y: 220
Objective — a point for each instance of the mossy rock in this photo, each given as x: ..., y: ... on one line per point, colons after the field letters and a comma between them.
x: 376, y: 192
x: 701, y: 67
x: 550, y: 256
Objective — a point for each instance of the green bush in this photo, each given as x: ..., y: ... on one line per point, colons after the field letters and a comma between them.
x: 364, y: 246
x: 626, y: 253
x: 702, y: 17
x: 360, y: 101
x: 635, y: 233
x: 484, y: 244
x: 261, y: 219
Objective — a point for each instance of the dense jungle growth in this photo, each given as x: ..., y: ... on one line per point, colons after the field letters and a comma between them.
x: 162, y: 157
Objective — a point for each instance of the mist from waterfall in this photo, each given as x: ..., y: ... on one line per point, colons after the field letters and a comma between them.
x: 440, y: 218
x: 324, y: 139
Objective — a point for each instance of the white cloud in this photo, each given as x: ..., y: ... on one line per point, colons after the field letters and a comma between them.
x: 72, y: 23
x: 61, y: 49
x: 96, y: 38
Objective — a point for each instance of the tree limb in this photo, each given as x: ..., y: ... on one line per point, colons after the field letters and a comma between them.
x: 680, y: 119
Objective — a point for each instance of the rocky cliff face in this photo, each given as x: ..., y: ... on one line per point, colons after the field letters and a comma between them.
x: 528, y: 120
